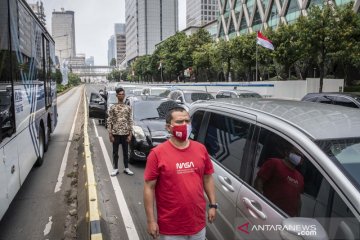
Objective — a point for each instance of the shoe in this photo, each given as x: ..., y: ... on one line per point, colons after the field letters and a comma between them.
x: 114, y: 172
x: 128, y: 171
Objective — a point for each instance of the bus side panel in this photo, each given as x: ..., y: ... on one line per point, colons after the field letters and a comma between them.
x: 12, y: 168
x: 27, y: 154
x: 4, y: 200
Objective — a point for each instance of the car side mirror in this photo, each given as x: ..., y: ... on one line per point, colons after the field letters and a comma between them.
x: 302, y: 228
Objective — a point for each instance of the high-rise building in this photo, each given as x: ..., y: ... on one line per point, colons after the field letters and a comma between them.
x: 38, y: 9
x: 89, y: 61
x: 63, y: 32
x: 237, y: 17
x: 148, y: 22
x: 201, y: 12
x: 111, y: 49
x: 120, y: 41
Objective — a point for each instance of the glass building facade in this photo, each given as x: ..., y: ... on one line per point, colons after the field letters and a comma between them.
x: 247, y: 16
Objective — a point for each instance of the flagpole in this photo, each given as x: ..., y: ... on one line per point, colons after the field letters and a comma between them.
x: 256, y: 77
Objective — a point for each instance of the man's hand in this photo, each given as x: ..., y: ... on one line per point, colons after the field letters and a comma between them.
x: 211, y: 215
x: 153, y: 229
x: 111, y: 137
x: 128, y: 139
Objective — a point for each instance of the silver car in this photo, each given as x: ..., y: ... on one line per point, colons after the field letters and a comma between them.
x: 283, y: 169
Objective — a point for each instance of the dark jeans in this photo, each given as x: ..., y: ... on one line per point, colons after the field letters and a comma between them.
x: 120, y: 139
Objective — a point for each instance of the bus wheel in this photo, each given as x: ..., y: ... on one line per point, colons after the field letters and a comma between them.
x: 48, y: 135
x: 40, y: 159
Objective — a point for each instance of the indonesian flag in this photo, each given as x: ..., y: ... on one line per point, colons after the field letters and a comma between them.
x: 263, y: 41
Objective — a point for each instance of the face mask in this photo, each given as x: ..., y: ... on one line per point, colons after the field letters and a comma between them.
x: 294, y: 158
x: 181, y: 132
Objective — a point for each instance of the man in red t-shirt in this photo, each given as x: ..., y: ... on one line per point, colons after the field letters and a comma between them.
x: 177, y: 173
x: 281, y: 183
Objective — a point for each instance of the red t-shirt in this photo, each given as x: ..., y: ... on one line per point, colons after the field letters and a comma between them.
x: 179, y: 191
x: 282, y: 185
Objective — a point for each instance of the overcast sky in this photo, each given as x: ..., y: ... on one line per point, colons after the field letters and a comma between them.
x: 94, y: 22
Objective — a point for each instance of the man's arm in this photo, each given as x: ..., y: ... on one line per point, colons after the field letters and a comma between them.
x: 259, y: 185
x: 149, y: 199
x: 210, y: 192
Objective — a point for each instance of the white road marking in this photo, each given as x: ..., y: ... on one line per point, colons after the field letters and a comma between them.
x: 65, y: 157
x: 96, y: 131
x: 124, y: 210
x: 48, y: 226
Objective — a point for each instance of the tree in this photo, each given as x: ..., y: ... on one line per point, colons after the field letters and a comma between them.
x: 74, y: 79
x: 113, y: 62
x: 57, y: 76
x: 319, y: 36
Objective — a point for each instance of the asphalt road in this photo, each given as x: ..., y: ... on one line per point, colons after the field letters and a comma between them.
x: 39, y: 211
x: 46, y: 207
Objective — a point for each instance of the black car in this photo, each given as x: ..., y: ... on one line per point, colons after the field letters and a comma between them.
x: 336, y: 98
x: 149, y: 124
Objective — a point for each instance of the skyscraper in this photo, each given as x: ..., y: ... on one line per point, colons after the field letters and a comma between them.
x: 148, y: 22
x: 63, y: 32
x: 111, y: 49
x: 120, y: 41
x: 38, y: 9
x: 200, y: 12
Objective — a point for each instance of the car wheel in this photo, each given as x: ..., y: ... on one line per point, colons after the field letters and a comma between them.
x: 40, y: 158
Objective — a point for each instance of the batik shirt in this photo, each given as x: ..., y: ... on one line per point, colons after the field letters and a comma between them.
x: 120, y: 120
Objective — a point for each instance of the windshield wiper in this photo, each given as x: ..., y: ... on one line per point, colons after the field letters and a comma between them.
x: 150, y: 118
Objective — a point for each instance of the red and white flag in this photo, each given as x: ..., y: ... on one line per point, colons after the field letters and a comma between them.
x: 263, y: 41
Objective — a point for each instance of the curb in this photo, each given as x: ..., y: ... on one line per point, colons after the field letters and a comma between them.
x: 93, y: 213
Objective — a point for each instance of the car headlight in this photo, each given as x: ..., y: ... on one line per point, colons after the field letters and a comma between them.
x: 138, y: 133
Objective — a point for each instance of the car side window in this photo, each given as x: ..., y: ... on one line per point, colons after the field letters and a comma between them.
x: 226, y: 140
x: 342, y: 101
x: 220, y: 95
x: 325, y: 99
x: 196, y: 120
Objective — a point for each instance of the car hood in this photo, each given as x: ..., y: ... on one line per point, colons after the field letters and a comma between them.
x: 155, y: 127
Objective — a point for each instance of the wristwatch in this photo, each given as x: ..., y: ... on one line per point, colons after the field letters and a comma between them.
x: 213, y: 205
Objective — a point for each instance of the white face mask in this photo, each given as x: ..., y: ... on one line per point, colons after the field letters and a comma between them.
x: 294, y: 159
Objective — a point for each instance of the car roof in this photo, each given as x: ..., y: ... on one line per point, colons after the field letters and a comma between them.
x: 147, y: 98
x: 350, y: 94
x: 237, y: 91
x: 317, y: 120
x: 192, y: 91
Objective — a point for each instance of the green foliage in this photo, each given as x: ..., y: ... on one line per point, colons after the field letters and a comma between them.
x: 57, y: 76
x: 74, y: 79
x: 113, y: 62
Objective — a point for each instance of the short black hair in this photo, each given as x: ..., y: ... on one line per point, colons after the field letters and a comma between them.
x: 117, y: 90
x: 168, y: 117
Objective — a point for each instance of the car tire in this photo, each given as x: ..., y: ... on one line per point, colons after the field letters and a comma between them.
x: 48, y: 134
x: 40, y: 158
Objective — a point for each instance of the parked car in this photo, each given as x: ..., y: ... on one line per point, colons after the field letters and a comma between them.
x: 127, y: 87
x: 100, y: 104
x: 336, y: 98
x: 188, y: 97
x: 237, y: 94
x: 156, y: 91
x: 243, y: 135
x: 149, y: 124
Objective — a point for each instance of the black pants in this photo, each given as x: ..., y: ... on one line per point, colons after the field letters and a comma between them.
x: 120, y: 139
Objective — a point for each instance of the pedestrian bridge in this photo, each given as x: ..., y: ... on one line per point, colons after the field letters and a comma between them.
x: 91, y: 73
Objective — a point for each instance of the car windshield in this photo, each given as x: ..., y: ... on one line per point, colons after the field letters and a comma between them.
x: 112, y: 99
x: 345, y: 152
x: 249, y: 95
x: 157, y: 92
x: 152, y: 109
x: 192, y: 97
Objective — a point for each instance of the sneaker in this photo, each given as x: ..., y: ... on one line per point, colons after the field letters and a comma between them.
x: 114, y: 172
x: 128, y: 171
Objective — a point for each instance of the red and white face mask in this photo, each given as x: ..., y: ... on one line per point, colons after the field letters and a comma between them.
x: 181, y: 132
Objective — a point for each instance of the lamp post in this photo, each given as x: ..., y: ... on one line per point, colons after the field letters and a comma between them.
x: 67, y: 44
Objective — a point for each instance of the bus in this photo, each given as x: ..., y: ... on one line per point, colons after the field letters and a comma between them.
x: 28, y: 111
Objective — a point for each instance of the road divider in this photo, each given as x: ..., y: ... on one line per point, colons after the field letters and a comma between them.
x: 93, y: 207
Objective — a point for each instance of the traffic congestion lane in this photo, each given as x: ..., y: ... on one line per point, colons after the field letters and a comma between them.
x: 117, y: 222
x: 37, y: 211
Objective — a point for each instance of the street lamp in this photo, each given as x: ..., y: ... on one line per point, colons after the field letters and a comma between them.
x: 67, y: 44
